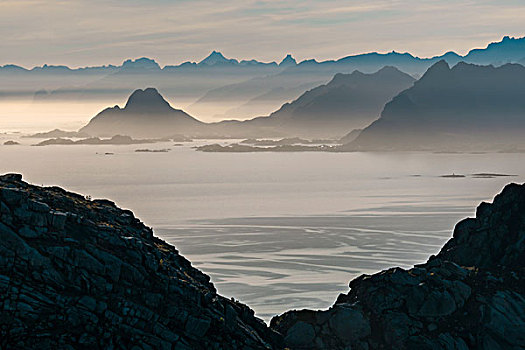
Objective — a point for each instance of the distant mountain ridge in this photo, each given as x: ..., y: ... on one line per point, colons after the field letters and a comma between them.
x: 146, y: 114
x: 220, y: 88
x: 509, y: 49
x: 467, y: 107
x: 347, y: 102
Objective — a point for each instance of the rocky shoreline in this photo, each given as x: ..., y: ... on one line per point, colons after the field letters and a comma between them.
x: 77, y: 273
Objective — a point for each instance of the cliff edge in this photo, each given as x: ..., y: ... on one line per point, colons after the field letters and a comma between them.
x: 84, y: 274
x: 469, y: 296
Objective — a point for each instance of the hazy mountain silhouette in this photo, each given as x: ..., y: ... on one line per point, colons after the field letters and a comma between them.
x: 508, y: 50
x: 222, y: 85
x: 146, y: 114
x: 468, y: 107
x: 288, y: 61
x: 219, y: 101
x: 217, y: 58
x: 140, y: 64
x: 347, y: 102
x: 266, y: 103
x: 311, y: 72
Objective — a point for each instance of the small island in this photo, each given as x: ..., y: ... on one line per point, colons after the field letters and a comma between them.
x: 115, y: 140
x: 11, y: 143
x: 147, y: 150
x: 238, y: 148
x: 57, y: 133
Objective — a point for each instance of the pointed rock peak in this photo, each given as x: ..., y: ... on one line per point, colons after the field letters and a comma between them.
x: 216, y: 54
x: 147, y: 100
x: 437, y: 68
x: 216, y: 57
x: 288, y: 61
x: 345, y: 78
x: 389, y: 70
x: 338, y: 78
x: 142, y: 63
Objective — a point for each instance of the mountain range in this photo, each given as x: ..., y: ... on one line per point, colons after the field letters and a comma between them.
x: 347, y: 102
x: 507, y: 50
x: 146, y: 114
x: 218, y: 88
x: 466, y: 107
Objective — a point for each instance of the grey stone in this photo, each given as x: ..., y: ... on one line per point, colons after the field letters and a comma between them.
x: 349, y: 324
x: 197, y: 326
x: 438, y: 303
x: 58, y: 220
x: 27, y: 232
x: 301, y: 334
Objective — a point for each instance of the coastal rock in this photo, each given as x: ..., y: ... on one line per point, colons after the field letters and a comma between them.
x: 84, y: 274
x: 469, y: 296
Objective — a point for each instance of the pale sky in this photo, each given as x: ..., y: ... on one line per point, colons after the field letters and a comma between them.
x: 95, y: 32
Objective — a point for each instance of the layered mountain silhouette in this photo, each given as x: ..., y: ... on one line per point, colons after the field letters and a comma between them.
x: 146, y: 114
x: 347, y: 102
x: 467, y: 107
x: 217, y: 87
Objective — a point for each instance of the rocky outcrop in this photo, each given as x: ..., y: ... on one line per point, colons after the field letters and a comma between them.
x: 84, y: 274
x: 469, y: 296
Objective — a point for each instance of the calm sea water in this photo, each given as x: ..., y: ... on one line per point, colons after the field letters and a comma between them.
x: 279, y: 230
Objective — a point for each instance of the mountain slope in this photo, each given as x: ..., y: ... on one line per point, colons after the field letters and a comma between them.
x: 85, y: 274
x: 468, y: 107
x: 146, y: 114
x: 347, y: 102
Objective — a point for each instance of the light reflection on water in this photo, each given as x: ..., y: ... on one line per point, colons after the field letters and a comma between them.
x: 279, y: 230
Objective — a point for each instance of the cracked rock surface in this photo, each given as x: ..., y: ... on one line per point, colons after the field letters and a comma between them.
x: 82, y: 274
x: 470, y: 296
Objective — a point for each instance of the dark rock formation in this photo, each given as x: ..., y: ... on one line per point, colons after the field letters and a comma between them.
x: 469, y: 296
x: 83, y: 274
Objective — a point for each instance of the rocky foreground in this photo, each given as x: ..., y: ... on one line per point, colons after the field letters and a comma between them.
x: 470, y: 296
x: 77, y: 273
x: 82, y: 274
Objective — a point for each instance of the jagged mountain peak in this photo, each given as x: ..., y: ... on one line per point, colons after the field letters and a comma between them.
x: 143, y: 63
x: 216, y: 57
x: 288, y: 61
x: 148, y: 99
